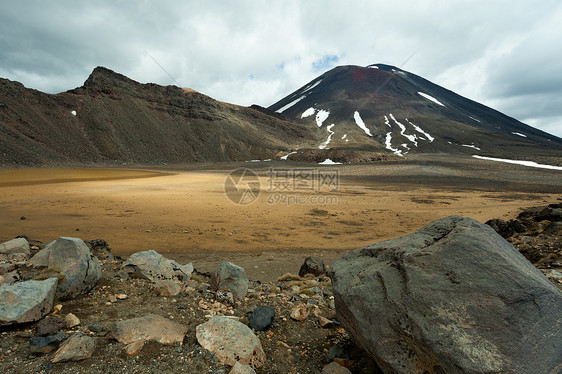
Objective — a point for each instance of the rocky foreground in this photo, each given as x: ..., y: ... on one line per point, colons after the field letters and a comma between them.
x: 452, y: 297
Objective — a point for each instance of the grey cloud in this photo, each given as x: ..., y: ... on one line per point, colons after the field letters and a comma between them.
x: 257, y: 52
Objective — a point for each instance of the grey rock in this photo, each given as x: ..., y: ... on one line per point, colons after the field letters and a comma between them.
x: 452, y: 297
x: 6, y: 268
x: 78, y: 269
x: 261, y: 318
x: 18, y: 245
x: 224, y: 297
x: 231, y: 341
x: 26, y: 301
x: 239, y: 368
x: 335, y: 368
x: 167, y: 288
x: 153, y: 266
x: 312, y: 265
x: 46, y: 344
x: 12, y: 277
x: 78, y: 347
x: 230, y: 277
x: 149, y: 327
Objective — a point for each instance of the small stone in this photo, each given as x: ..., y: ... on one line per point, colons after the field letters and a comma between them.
x: 225, y: 297
x: 167, y: 288
x: 57, y: 308
x: 312, y: 265
x: 121, y: 296
x: 300, y: 312
x: 239, y: 368
x: 325, y: 322
x: 335, y: 368
x: 134, y: 348
x: 71, y: 320
x: 112, y: 299
x: 77, y: 347
x: 2, y: 280
x: 261, y: 318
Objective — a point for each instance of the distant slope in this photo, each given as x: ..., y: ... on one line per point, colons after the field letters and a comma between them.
x: 384, y: 108
x: 113, y: 119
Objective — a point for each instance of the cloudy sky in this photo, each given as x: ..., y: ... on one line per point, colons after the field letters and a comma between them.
x: 503, y: 53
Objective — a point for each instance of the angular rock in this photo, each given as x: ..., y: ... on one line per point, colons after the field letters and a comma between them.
x: 153, y: 266
x: 300, y: 312
x: 261, y: 318
x: 312, y: 265
x: 49, y: 326
x: 12, y: 277
x: 239, y: 368
x: 19, y: 245
x: 77, y: 347
x: 452, y: 297
x: 335, y: 368
x: 134, y: 348
x: 232, y: 278
x: 231, y: 341
x: 71, y: 321
x: 78, y: 269
x: 149, y: 327
x: 167, y: 288
x: 26, y: 301
x: 6, y: 268
x: 40, y: 344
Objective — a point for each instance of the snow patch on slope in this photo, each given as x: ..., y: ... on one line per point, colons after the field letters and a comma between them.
x: 388, y: 144
x: 411, y: 138
x: 281, y: 110
x: 325, y: 144
x: 287, y: 155
x: 321, y: 116
x: 428, y: 97
x: 518, y: 133
x: 312, y: 86
x: 360, y: 123
x: 471, y: 146
x: 307, y: 113
x: 329, y: 162
x: 524, y: 163
x: 419, y: 129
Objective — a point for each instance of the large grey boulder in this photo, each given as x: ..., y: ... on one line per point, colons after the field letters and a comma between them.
x: 231, y: 341
x: 453, y: 297
x: 26, y: 301
x: 230, y: 277
x: 78, y: 270
x: 153, y: 266
x: 18, y: 245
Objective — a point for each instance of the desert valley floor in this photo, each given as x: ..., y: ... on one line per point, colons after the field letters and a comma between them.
x: 183, y: 212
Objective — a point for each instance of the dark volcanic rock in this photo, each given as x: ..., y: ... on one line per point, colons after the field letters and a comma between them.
x: 312, y: 265
x: 46, y: 344
x: 506, y: 229
x: 261, y: 318
x: 49, y: 326
x: 452, y: 297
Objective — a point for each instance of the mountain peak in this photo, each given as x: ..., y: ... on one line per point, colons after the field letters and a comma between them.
x: 103, y: 77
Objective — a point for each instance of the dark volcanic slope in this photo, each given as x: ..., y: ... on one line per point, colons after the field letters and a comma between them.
x: 113, y: 119
x: 404, y: 113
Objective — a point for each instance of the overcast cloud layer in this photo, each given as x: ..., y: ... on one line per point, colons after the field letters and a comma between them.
x: 504, y: 54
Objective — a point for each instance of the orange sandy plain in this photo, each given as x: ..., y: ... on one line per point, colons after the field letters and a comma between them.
x: 188, y: 212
